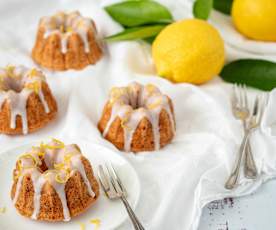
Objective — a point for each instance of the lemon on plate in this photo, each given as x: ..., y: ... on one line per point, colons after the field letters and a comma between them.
x: 190, y: 50
x: 255, y: 19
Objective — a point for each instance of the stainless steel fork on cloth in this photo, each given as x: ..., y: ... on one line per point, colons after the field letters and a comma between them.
x: 251, y: 121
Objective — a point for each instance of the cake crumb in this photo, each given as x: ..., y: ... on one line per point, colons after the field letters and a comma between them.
x: 3, y: 210
x: 96, y: 222
x: 82, y: 226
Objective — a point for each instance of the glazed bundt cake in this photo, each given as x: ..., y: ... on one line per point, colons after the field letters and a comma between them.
x: 66, y: 41
x: 53, y: 182
x: 26, y: 102
x: 138, y: 118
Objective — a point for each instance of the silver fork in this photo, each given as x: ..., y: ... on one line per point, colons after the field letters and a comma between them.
x: 241, y: 111
x: 114, y: 189
x: 253, y: 123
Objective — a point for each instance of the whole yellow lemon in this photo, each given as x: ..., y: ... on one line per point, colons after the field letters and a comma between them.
x: 255, y: 19
x: 190, y: 50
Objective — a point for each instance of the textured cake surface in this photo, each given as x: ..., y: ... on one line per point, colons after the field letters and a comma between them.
x: 138, y: 118
x: 26, y: 102
x: 66, y: 41
x: 53, y: 182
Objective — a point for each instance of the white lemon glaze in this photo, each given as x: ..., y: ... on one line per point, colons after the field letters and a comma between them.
x: 64, y: 24
x: 135, y: 102
x: 62, y: 161
x: 16, y: 85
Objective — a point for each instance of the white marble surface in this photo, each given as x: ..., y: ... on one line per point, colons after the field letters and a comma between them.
x: 253, y: 212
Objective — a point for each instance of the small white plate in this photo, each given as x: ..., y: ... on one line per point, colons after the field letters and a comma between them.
x: 228, y: 31
x: 110, y: 213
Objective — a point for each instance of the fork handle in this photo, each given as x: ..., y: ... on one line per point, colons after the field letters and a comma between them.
x: 136, y: 223
x: 235, y: 174
x: 250, y: 169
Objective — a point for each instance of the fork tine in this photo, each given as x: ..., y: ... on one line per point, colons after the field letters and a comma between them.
x: 241, y: 96
x: 238, y: 95
x: 255, y: 106
x: 118, y: 179
x: 106, y: 183
x: 102, y: 177
x: 245, y: 95
x: 260, y: 110
x: 263, y: 105
x: 113, y: 181
x: 234, y: 96
x: 103, y: 180
x: 240, y: 101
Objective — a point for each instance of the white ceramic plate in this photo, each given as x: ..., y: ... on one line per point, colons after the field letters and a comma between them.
x: 226, y: 27
x: 110, y: 213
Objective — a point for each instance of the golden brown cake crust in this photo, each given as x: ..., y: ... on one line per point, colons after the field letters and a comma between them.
x: 36, y: 115
x: 47, y: 51
x: 142, y: 139
x: 78, y: 199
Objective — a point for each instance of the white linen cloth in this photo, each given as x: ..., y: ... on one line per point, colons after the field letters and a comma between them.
x: 181, y: 178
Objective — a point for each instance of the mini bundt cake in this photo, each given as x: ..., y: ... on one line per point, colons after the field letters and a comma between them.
x: 66, y: 41
x: 26, y: 102
x: 53, y: 182
x: 138, y: 118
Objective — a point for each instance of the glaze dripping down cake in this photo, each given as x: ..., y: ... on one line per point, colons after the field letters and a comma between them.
x: 53, y: 182
x: 138, y: 118
x: 66, y: 41
x: 26, y: 102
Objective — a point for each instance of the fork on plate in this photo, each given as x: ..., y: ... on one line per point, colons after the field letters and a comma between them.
x: 114, y: 189
x: 251, y: 121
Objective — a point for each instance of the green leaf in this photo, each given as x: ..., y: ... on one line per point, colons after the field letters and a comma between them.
x: 202, y: 9
x: 150, y: 40
x: 256, y: 73
x: 136, y: 33
x: 136, y: 13
x: 223, y: 6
